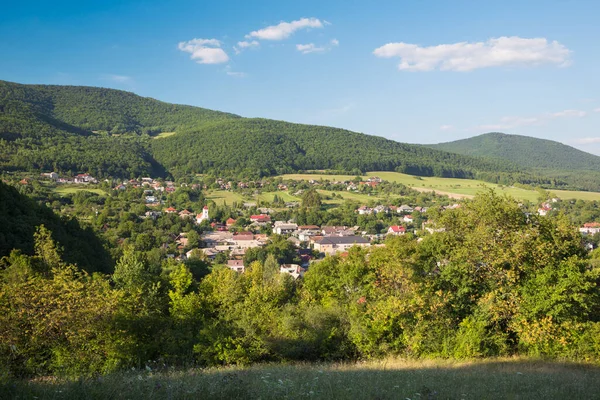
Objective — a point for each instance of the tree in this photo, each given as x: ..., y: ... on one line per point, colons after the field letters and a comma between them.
x: 311, y: 199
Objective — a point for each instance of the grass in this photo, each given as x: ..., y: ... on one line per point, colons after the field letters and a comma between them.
x: 163, y: 135
x: 224, y: 196
x: 452, y: 186
x: 65, y: 190
x: 389, y: 379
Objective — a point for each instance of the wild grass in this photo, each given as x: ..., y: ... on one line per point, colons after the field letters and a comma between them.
x: 389, y: 379
x: 465, y: 187
x: 65, y: 190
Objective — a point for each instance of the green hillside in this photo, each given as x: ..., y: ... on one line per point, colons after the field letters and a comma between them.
x: 524, y: 151
x: 554, y: 160
x: 281, y: 147
x: 19, y: 217
x: 107, y: 132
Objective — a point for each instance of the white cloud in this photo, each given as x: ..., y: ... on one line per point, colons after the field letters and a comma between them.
x: 446, y: 128
x: 597, y: 110
x: 515, y: 122
x: 237, y: 74
x: 204, y: 51
x: 309, y: 48
x: 312, y: 48
x: 568, y: 113
x: 248, y: 44
x: 588, y: 140
x: 118, y: 78
x: 284, y: 29
x: 465, y: 56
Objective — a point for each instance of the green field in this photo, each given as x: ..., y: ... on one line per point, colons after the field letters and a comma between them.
x: 163, y: 135
x: 65, y: 190
x: 387, y: 379
x: 224, y: 196
x: 464, y: 187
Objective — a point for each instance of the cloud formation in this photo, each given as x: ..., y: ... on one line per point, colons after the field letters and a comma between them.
x: 446, y: 128
x: 118, y: 78
x: 284, y: 29
x: 204, y: 51
x: 312, y: 48
x: 515, y: 122
x: 465, y: 56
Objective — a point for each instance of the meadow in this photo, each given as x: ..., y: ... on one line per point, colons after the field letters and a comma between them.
x: 453, y: 186
x: 66, y: 190
x: 509, y: 378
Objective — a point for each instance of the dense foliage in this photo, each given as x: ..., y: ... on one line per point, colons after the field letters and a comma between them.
x: 496, y: 281
x: 19, y: 217
x: 106, y: 132
x: 546, y: 157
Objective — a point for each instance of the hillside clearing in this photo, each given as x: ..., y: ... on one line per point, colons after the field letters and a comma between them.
x: 451, y: 186
x: 66, y: 190
x: 389, y: 379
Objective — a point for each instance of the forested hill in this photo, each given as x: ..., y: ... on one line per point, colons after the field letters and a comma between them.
x: 82, y: 109
x: 19, y: 218
x: 280, y: 147
x: 109, y: 132
x: 524, y: 151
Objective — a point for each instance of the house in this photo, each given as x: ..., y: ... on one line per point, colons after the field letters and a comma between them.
x: 334, y: 244
x: 405, y: 209
x: 381, y: 209
x: 396, y: 230
x: 364, y: 210
x: 590, y: 228
x: 283, y: 228
x: 185, y: 214
x: 294, y: 270
x: 150, y: 199
x: 308, y: 227
x: 50, y: 175
x: 203, y: 216
x: 408, y: 219
x: 230, y: 222
x: 260, y: 219
x: 243, y: 236
x: 236, y: 265
x: 544, y: 209
x: 170, y: 210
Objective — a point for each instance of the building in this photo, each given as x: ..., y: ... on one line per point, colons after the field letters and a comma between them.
x: 282, y: 228
x: 590, y: 228
x: 294, y: 270
x: 236, y: 265
x: 203, y: 216
x: 334, y: 244
x: 396, y: 230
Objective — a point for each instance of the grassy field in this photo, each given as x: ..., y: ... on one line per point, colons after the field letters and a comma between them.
x: 465, y: 187
x: 65, y: 190
x: 224, y: 196
x: 163, y: 135
x: 391, y: 379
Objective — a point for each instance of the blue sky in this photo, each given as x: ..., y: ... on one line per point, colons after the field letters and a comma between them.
x: 413, y: 71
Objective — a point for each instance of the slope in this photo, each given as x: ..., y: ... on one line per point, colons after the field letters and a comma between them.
x: 525, y: 151
x: 20, y: 215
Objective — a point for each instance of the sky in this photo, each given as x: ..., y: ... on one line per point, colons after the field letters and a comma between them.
x: 413, y: 71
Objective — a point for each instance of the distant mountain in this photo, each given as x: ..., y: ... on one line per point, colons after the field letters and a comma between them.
x: 525, y: 151
x: 19, y: 217
x: 109, y: 132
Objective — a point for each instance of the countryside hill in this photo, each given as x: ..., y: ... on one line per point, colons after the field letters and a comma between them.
x: 539, y: 156
x: 525, y: 151
x: 109, y: 132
